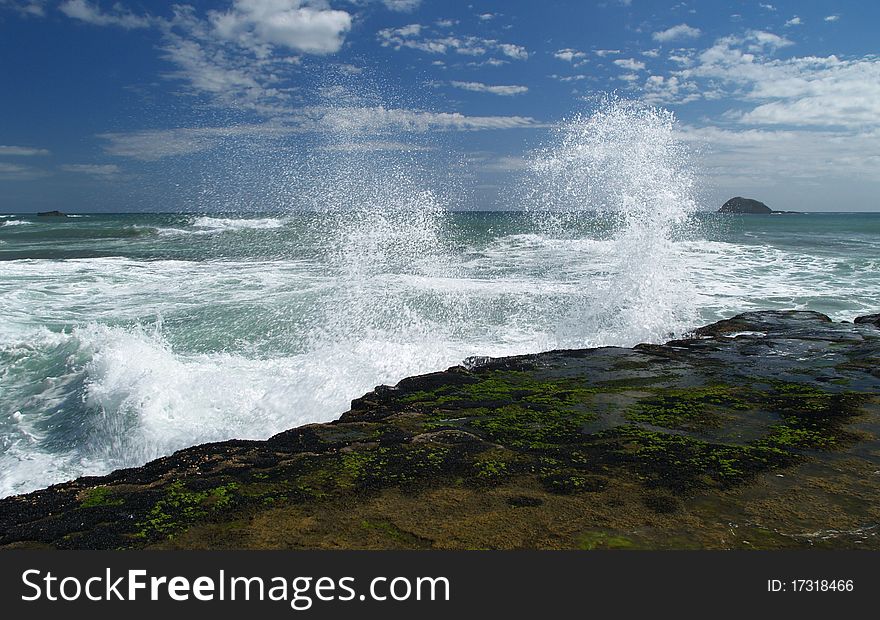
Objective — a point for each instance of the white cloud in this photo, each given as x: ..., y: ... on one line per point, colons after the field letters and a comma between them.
x: 568, y: 78
x: 240, y: 57
x: 487, y: 16
x: 27, y: 8
x: 517, y: 52
x: 368, y: 146
x: 15, y: 172
x: 402, y: 6
x: 417, y: 37
x: 155, y: 144
x: 412, y: 30
x: 604, y: 53
x: 286, y: 23
x: 832, y: 18
x: 665, y: 90
x: 349, y: 69
x: 734, y: 58
x: 768, y: 7
x: 762, y: 40
x: 794, y: 21
x: 570, y: 55
x: 681, y: 31
x: 207, y: 68
x: 490, y: 62
x: 630, y: 64
x: 683, y: 57
x: 85, y: 11
x: 479, y: 87
x: 820, y: 94
x: 379, y: 119
x: 407, y: 36
x: 800, y: 91
x: 507, y: 49
x: 21, y: 151
x: 792, y: 160
x: 798, y: 130
x: 94, y: 170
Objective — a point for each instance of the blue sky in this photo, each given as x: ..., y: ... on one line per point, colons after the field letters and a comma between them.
x: 136, y: 105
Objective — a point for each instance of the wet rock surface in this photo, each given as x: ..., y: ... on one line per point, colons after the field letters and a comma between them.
x: 760, y: 431
x: 870, y: 319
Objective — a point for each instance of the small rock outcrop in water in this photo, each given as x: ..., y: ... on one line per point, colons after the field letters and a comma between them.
x: 760, y: 431
x: 744, y: 205
x: 51, y: 214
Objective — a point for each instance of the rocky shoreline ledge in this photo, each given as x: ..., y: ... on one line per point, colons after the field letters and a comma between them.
x: 761, y: 431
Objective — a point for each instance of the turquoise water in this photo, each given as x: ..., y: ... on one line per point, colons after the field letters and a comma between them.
x: 126, y: 337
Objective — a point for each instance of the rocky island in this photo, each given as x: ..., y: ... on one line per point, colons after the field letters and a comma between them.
x: 757, y: 432
x: 740, y: 205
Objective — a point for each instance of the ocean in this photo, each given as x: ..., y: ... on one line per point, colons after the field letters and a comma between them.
x: 127, y: 336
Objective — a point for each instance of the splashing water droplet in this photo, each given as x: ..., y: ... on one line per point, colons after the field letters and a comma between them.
x: 623, y: 166
x: 382, y: 225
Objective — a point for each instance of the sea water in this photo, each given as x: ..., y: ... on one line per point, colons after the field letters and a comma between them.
x: 125, y: 337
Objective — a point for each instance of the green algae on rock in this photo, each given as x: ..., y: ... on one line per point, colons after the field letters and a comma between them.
x: 755, y: 432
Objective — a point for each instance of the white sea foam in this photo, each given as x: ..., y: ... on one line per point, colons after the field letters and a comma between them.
x: 226, y: 223
x: 144, y: 399
x: 16, y: 223
x: 175, y: 232
x: 206, y: 225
